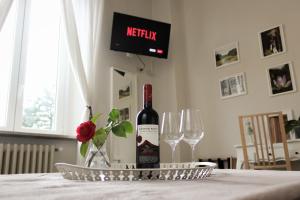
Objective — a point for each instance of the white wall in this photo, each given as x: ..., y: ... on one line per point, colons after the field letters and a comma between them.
x: 165, y: 80
x: 209, y: 24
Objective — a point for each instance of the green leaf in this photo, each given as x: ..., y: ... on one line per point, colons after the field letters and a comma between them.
x: 99, y: 137
x: 291, y: 125
x: 114, y: 115
x: 95, y: 118
x: 127, y: 126
x: 119, y: 130
x: 83, y: 148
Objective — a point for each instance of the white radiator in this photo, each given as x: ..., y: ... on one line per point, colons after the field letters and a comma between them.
x: 26, y: 158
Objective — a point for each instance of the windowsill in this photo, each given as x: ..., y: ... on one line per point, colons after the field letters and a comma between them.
x: 37, y: 135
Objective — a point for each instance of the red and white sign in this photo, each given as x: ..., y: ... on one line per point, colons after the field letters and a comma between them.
x: 141, y: 33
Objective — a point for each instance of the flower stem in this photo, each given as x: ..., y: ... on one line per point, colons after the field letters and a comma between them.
x: 106, y: 161
x: 94, y: 154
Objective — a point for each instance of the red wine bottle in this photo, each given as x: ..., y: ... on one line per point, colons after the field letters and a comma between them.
x: 147, y: 139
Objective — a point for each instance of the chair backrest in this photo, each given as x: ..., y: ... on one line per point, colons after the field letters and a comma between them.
x: 264, y: 142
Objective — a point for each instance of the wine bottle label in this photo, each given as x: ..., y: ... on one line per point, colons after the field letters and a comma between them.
x: 148, y: 145
x: 148, y: 132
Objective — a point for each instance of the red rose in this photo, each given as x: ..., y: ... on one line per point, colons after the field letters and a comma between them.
x: 85, y: 131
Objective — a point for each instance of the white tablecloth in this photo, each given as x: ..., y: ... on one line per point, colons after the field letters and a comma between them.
x: 223, y: 184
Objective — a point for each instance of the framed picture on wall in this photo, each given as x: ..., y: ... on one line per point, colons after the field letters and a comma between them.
x: 234, y: 85
x: 124, y: 92
x: 226, y: 55
x: 125, y: 113
x: 272, y: 41
x: 281, y: 79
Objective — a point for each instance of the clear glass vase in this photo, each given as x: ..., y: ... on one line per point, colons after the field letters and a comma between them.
x: 97, y: 158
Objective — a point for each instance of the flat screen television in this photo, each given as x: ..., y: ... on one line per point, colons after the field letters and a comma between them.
x: 140, y: 36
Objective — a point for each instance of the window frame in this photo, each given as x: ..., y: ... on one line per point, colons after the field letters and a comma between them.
x: 12, y: 98
x: 18, y: 73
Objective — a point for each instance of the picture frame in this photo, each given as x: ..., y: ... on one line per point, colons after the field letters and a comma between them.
x: 125, y: 92
x: 226, y: 55
x: 232, y: 86
x: 281, y: 79
x: 123, y: 96
x: 272, y: 41
x: 125, y: 113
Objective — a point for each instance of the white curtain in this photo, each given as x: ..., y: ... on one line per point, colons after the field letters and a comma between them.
x: 4, y: 9
x: 81, y: 19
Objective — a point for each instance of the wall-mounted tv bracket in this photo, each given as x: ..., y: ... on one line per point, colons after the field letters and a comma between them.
x: 143, y: 63
x: 140, y: 68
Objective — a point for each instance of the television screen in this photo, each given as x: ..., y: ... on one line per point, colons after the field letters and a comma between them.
x: 140, y: 36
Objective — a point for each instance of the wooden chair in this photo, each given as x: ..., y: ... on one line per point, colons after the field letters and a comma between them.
x: 265, y: 146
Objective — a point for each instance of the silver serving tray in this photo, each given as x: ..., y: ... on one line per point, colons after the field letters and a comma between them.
x: 128, y: 172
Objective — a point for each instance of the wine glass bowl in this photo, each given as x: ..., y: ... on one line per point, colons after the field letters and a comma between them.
x: 170, y: 130
x: 191, y: 127
x: 192, y: 138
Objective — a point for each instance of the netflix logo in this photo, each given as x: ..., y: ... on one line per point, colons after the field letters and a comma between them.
x: 141, y: 33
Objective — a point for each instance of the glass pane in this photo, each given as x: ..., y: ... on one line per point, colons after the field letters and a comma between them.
x: 39, y: 98
x: 7, y: 35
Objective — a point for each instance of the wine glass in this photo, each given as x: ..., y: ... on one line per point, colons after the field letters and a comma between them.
x: 170, y: 130
x: 191, y: 127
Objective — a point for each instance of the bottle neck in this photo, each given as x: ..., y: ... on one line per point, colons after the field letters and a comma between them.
x: 147, y: 104
x: 147, y: 96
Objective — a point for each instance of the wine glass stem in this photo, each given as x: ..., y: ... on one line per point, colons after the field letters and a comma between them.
x: 193, y: 156
x: 173, y: 153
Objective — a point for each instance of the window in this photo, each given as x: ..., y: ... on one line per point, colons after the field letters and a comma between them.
x: 34, y: 66
x: 6, y: 61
